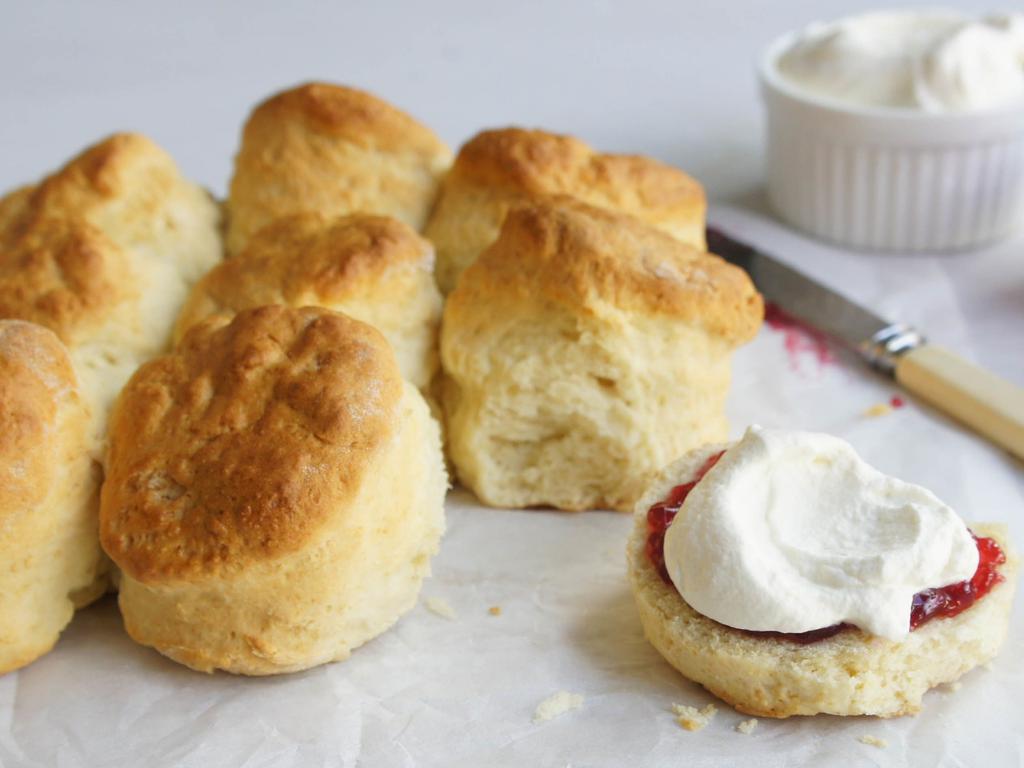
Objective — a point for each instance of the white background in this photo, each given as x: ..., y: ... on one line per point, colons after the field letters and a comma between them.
x: 674, y: 80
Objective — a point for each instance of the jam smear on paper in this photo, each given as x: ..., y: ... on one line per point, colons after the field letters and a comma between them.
x: 798, y: 338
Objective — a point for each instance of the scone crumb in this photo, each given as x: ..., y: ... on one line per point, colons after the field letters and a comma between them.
x: 494, y: 610
x: 952, y: 687
x: 557, y: 704
x: 878, y: 409
x: 873, y: 741
x: 747, y: 726
x: 440, y: 607
x: 691, y: 718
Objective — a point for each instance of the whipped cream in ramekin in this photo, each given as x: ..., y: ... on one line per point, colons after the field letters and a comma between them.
x: 928, y: 60
x: 793, y: 532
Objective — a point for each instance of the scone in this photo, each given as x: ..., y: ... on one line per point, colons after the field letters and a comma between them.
x: 274, y: 492
x: 373, y: 268
x: 103, y: 253
x: 334, y: 150
x: 838, y: 669
x: 582, y: 352
x: 51, y: 557
x: 497, y: 169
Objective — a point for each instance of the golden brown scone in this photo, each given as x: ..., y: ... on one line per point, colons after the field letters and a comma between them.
x: 373, y: 268
x: 497, y: 169
x: 50, y: 554
x: 274, y: 492
x: 103, y: 252
x: 851, y: 673
x: 582, y: 352
x: 334, y: 150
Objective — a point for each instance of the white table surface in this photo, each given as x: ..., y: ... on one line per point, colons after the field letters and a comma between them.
x: 674, y: 80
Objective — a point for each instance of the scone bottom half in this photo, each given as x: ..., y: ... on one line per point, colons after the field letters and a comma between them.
x: 274, y: 492
x: 839, y: 670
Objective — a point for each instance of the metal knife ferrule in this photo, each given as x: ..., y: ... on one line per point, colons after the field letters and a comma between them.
x: 885, y: 347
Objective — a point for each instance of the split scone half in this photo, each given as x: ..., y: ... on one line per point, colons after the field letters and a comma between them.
x: 335, y: 150
x: 497, y: 169
x: 373, y: 268
x: 274, y: 492
x: 103, y: 253
x: 847, y: 671
x: 52, y: 563
x: 582, y: 352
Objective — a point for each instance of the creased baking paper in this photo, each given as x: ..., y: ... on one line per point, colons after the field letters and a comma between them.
x: 436, y: 691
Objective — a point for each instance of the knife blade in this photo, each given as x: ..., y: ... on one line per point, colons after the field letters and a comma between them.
x: 990, y: 405
x: 818, y: 306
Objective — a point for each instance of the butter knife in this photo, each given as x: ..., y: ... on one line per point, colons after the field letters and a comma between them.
x: 988, y: 404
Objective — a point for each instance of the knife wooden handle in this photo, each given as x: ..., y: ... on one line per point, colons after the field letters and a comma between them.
x: 991, y: 406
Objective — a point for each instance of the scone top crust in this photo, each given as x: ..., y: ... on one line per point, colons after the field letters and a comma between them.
x: 534, y: 162
x: 334, y: 149
x: 124, y: 180
x: 243, y: 443
x: 348, y: 114
x: 311, y: 258
x: 63, y: 274
x: 36, y: 379
x: 596, y: 262
x: 59, y: 263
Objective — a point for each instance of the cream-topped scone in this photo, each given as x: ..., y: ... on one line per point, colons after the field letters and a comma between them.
x: 789, y: 577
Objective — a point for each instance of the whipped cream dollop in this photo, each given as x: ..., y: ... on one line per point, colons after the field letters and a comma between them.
x: 793, y: 531
x: 929, y: 60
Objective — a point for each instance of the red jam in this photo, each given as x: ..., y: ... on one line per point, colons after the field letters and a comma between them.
x: 931, y: 603
x: 951, y: 600
x: 661, y: 515
x: 803, y: 638
x: 896, y: 401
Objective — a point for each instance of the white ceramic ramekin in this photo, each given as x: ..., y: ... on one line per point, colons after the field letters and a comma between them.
x: 891, y: 179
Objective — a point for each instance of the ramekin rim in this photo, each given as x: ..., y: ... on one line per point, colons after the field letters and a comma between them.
x: 769, y: 76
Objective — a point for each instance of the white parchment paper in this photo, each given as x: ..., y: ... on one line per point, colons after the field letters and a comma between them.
x: 450, y: 692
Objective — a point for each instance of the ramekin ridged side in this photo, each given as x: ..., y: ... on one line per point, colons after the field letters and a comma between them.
x: 891, y: 180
